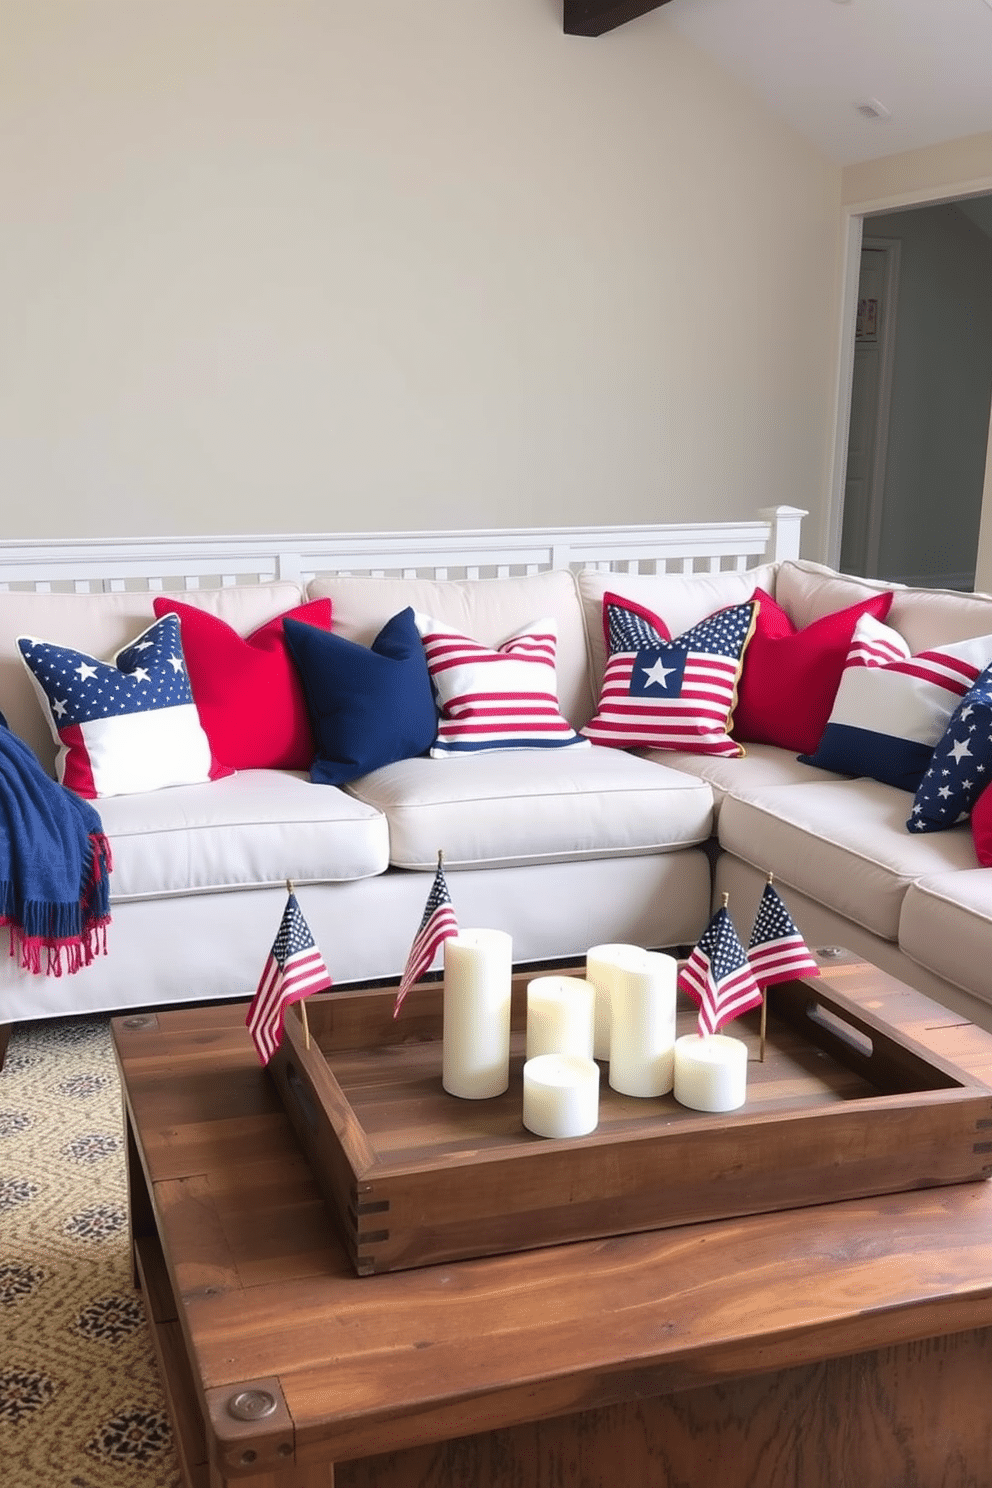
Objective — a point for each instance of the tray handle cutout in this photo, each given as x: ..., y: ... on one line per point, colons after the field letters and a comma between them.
x: 302, y: 1096
x: 833, y: 1023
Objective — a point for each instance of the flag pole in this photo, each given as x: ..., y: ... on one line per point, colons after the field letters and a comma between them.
x: 726, y: 906
x: 302, y: 1002
x: 764, y: 1006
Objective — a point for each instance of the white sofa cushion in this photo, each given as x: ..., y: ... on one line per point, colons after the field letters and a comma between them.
x: 841, y: 842
x: 680, y: 600
x: 488, y: 610
x: 531, y: 806
x: 946, y: 926
x: 923, y: 617
x: 102, y: 624
x: 761, y: 765
x: 252, y: 829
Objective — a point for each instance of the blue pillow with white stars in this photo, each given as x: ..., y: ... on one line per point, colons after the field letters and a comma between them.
x: 961, y: 765
x: 125, y: 725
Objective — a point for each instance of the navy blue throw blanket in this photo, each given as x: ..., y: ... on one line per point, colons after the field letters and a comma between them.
x: 54, y: 866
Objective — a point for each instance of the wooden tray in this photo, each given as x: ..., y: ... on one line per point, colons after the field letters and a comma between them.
x: 842, y: 1107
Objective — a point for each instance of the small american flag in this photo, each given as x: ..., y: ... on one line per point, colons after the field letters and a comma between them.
x: 294, y: 969
x: 776, y: 949
x: 718, y: 975
x: 437, y: 924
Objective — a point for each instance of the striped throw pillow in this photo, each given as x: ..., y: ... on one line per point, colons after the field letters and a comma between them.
x: 670, y: 693
x: 892, y: 707
x: 489, y: 699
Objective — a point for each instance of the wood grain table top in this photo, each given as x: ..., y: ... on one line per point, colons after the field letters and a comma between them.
x: 264, y: 1291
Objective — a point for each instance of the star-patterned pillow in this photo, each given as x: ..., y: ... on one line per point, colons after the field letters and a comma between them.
x: 124, y: 725
x: 670, y: 693
x: 961, y: 766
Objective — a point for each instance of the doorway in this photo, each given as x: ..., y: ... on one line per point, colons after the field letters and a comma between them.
x: 912, y: 458
x: 871, y: 395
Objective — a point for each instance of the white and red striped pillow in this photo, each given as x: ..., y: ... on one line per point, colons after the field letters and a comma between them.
x: 489, y: 699
x: 678, y: 693
x: 892, y: 707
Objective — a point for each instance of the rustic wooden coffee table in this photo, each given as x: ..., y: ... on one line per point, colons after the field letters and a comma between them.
x: 847, y: 1343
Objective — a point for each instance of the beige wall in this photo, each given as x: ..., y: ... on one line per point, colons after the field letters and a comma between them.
x: 950, y: 169
x: 288, y: 265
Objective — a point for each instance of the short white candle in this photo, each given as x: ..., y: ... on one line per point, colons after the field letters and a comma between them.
x: 475, y: 1062
x: 560, y: 1016
x: 642, y: 1031
x: 710, y: 1072
x: 561, y: 1095
x: 602, y: 962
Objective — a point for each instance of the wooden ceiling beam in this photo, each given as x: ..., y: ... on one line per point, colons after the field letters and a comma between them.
x: 595, y: 17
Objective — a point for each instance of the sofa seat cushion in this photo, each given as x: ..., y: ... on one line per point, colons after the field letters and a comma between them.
x: 530, y: 806
x: 253, y: 829
x: 761, y: 765
x: 946, y: 926
x: 842, y: 843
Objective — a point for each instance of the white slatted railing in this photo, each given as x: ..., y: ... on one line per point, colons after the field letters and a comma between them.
x: 176, y: 563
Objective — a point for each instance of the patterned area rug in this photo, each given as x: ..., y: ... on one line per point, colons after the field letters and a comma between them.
x: 80, y: 1401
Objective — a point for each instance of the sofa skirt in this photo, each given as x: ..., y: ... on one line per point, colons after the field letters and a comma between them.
x: 206, y: 946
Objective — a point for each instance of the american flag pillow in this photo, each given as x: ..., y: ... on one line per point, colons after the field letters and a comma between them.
x: 502, y: 698
x: 670, y: 693
x: 124, y: 725
x: 960, y: 767
x: 892, y: 707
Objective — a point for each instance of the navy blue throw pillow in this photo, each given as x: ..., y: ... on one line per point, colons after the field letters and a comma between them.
x: 368, y: 706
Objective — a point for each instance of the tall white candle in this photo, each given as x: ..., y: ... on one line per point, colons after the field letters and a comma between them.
x: 710, y: 1072
x: 561, y: 1095
x: 560, y: 1016
x: 476, y: 1038
x: 642, y: 1031
x: 602, y: 962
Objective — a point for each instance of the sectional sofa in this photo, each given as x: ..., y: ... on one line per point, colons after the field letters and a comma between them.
x: 565, y: 847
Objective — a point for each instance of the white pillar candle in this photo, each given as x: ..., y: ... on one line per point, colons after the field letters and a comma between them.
x: 642, y: 1031
x: 476, y: 1035
x: 602, y: 962
x: 561, y: 1095
x: 560, y: 1016
x: 710, y: 1072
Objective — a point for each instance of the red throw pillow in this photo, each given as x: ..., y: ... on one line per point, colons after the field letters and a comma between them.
x: 791, y: 676
x: 247, y: 690
x: 981, y: 827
